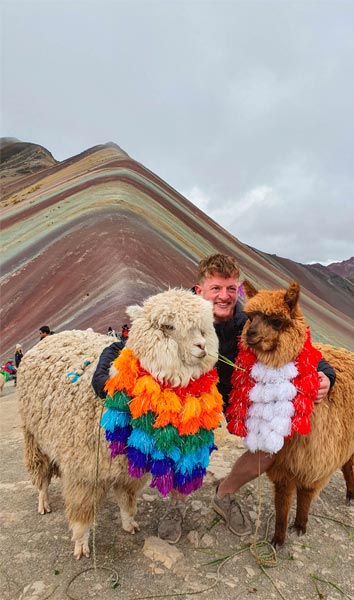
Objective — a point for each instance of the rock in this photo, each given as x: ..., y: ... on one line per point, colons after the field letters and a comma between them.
x: 207, y: 541
x: 161, y: 551
x: 197, y: 505
x: 193, y: 537
x: 250, y: 572
x: 149, y: 497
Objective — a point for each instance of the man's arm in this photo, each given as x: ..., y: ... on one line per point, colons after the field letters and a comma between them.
x: 327, y: 377
x: 101, y: 374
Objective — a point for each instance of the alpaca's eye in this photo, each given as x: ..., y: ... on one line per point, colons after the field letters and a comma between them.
x: 168, y: 327
x: 276, y: 323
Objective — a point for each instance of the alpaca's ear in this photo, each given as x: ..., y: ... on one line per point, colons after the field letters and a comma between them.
x: 134, y: 311
x: 250, y: 291
x: 292, y: 296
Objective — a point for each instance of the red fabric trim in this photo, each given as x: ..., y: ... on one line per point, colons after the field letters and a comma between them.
x: 306, y: 383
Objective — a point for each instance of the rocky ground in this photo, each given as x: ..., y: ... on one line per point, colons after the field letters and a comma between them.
x: 208, y: 563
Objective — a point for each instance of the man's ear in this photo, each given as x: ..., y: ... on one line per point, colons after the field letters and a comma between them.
x: 198, y: 290
x: 250, y: 291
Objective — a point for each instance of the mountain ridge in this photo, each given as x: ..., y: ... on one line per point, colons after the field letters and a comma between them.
x: 85, y: 237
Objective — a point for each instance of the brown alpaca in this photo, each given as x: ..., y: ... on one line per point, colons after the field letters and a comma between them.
x: 275, y: 333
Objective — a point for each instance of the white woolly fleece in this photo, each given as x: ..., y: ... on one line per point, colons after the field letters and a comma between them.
x: 268, y: 419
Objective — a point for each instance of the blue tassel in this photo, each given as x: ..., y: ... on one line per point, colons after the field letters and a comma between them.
x: 108, y: 420
x: 156, y: 454
x: 160, y: 467
x: 138, y: 458
x: 141, y: 440
x: 174, y: 453
x: 120, y: 434
x: 123, y: 418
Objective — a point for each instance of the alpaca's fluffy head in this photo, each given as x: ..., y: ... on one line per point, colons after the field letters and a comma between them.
x: 173, y: 336
x: 276, y: 329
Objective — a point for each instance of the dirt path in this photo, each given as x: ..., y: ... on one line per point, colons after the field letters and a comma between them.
x: 36, y: 551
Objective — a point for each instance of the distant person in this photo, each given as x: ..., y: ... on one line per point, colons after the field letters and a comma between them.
x: 124, y: 334
x: 44, y: 331
x: 111, y: 332
x: 10, y: 370
x: 18, y: 355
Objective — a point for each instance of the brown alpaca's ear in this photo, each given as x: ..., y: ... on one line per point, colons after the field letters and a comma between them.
x: 292, y: 296
x: 250, y: 291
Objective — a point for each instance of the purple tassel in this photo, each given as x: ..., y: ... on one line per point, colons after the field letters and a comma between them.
x: 164, y: 483
x: 190, y: 487
x: 116, y: 448
x: 136, y: 472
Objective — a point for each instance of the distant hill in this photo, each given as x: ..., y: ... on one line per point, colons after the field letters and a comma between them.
x: 344, y: 268
x: 85, y: 237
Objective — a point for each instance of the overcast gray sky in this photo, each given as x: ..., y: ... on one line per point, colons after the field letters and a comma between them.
x: 246, y: 108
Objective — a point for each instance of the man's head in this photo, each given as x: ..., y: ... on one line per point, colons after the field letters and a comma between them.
x: 44, y: 331
x: 218, y: 282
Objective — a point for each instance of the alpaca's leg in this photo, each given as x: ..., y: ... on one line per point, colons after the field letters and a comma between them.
x: 303, y: 503
x: 284, y: 493
x: 40, y: 470
x: 125, y: 491
x: 348, y: 472
x: 80, y: 498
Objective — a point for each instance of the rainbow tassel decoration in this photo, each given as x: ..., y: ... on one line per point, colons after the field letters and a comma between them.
x: 165, y: 431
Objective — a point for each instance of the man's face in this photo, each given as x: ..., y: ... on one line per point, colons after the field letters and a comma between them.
x: 222, y: 293
x: 42, y: 334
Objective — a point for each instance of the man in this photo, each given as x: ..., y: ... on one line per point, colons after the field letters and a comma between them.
x: 44, y: 331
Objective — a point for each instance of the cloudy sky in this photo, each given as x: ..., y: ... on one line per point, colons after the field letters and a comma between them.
x: 245, y: 107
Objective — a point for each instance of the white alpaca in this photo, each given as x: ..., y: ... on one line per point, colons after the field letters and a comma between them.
x: 172, y: 336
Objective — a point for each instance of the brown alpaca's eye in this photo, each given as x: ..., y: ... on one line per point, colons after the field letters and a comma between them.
x: 276, y: 323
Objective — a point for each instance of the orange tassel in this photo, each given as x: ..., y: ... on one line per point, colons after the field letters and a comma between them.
x: 190, y: 427
x: 166, y: 418
x: 140, y: 405
x: 168, y: 401
x: 210, y: 420
x: 191, y: 409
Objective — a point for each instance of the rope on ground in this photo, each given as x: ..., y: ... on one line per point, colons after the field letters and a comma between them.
x: 264, y: 553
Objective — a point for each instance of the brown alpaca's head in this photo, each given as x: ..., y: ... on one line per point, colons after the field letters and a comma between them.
x: 276, y: 329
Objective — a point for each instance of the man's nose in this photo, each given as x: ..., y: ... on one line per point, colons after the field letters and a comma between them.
x: 223, y: 293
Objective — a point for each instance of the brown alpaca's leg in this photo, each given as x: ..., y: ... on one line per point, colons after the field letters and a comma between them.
x: 303, y: 503
x: 284, y: 493
x: 348, y: 472
x: 79, y: 498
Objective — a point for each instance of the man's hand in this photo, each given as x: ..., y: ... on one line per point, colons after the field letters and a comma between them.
x: 324, y: 387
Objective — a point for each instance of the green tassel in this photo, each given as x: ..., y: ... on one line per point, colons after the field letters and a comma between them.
x: 119, y: 400
x: 191, y: 443
x: 145, y: 422
x: 166, y: 438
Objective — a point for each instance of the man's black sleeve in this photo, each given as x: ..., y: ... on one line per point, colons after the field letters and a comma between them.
x: 101, y: 374
x: 326, y: 368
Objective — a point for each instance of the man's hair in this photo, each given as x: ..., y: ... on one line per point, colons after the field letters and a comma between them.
x: 45, y: 329
x: 218, y: 264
